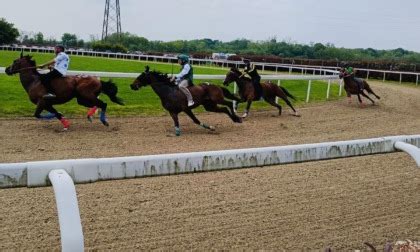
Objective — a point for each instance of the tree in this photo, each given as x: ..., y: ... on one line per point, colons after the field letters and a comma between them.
x: 8, y: 33
x: 69, y: 39
x: 39, y: 38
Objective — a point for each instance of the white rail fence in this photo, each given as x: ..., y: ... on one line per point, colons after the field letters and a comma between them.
x: 33, y: 174
x: 330, y: 78
x: 62, y: 173
x: 305, y: 69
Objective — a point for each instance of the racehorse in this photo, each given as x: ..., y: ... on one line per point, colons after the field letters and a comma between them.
x: 175, y: 102
x: 86, y: 90
x: 247, y: 93
x: 352, y: 87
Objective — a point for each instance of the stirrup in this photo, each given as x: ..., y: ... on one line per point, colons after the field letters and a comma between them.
x: 49, y: 96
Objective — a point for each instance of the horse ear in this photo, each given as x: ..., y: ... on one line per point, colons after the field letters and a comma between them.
x: 146, y: 69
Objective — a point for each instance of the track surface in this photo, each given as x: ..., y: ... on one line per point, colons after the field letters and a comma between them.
x: 339, y: 203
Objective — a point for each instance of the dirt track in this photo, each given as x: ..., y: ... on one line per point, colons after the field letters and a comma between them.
x: 339, y: 203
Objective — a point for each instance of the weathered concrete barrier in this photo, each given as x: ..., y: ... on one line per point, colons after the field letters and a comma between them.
x: 33, y: 174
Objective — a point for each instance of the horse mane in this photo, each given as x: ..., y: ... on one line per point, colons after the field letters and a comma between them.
x: 161, y: 77
x: 30, y: 60
x: 237, y: 71
x: 31, y: 63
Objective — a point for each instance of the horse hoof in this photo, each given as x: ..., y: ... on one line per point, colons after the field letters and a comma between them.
x: 90, y: 118
x: 105, y: 123
x: 212, y: 128
x: 245, y: 115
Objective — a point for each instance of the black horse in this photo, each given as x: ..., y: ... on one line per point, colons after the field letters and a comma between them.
x: 353, y: 88
x: 247, y: 92
x: 175, y: 102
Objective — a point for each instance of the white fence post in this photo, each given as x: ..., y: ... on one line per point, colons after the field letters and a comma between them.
x: 278, y: 84
x: 417, y: 80
x: 68, y: 211
x: 384, y: 77
x: 308, y: 91
x: 400, y: 78
x: 367, y: 77
x: 235, y: 88
x: 328, y: 89
x: 340, y: 89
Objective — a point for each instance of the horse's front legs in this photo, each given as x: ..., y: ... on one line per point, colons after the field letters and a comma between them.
x: 360, y: 100
x: 248, y: 106
x: 59, y: 116
x: 176, y: 122
x: 42, y: 105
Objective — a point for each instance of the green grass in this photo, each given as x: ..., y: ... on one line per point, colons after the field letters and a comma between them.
x: 14, y: 100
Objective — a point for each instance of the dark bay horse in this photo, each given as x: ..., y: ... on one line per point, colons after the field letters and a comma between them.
x: 352, y: 88
x: 247, y: 93
x: 85, y: 89
x: 175, y: 102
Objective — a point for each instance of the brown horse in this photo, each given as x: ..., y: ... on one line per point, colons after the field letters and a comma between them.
x: 353, y: 88
x: 175, y: 102
x: 85, y: 89
x: 247, y: 93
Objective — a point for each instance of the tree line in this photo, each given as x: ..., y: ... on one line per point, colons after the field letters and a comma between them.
x: 128, y: 42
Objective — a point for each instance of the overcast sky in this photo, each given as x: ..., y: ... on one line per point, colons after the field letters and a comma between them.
x: 380, y: 24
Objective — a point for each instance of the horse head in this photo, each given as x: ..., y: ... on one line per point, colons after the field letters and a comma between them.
x: 149, y: 77
x: 231, y: 76
x: 341, y: 73
x: 142, y: 80
x: 20, y: 64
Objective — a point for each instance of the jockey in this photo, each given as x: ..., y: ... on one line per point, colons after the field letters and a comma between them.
x: 349, y: 71
x: 61, y: 65
x: 185, y: 78
x: 255, y: 77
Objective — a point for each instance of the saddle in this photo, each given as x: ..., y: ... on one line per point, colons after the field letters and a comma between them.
x: 359, y: 83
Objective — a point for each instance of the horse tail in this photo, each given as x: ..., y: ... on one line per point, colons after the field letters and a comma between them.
x: 287, y: 93
x: 110, y: 89
x: 228, y: 94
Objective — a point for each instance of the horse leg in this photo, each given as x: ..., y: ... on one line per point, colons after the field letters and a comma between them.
x: 59, y: 116
x: 176, y: 122
x: 360, y: 99
x: 39, y: 108
x: 370, y: 91
x: 92, y: 109
x: 212, y: 107
x: 349, y: 97
x: 248, y: 106
x: 229, y: 104
x: 286, y: 100
x: 102, y: 116
x: 273, y: 103
x: 196, y: 121
x: 233, y: 97
x: 365, y: 95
